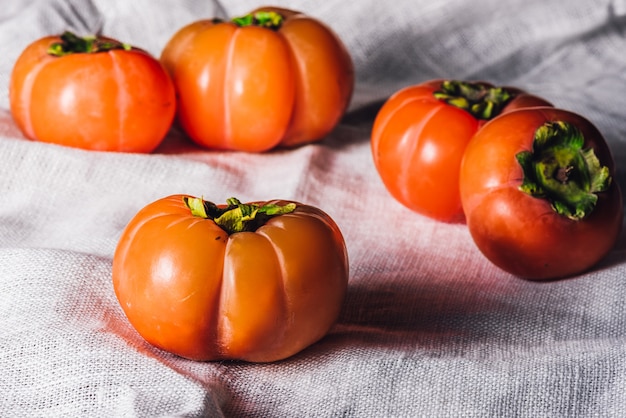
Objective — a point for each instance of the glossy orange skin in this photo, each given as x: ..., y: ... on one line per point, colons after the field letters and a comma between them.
x: 191, y: 289
x: 252, y: 89
x: 519, y: 233
x: 418, y: 143
x: 108, y: 101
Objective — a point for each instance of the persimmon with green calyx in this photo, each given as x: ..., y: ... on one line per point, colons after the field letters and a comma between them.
x: 538, y: 190
x: 420, y: 134
x: 91, y: 92
x: 273, y: 77
x: 257, y: 282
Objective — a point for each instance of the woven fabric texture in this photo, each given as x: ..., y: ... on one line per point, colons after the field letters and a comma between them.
x: 429, y: 326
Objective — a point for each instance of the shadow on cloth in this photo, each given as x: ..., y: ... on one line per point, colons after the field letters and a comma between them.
x: 460, y: 315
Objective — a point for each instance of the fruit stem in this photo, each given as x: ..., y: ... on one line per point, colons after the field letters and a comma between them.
x: 559, y: 170
x: 266, y: 19
x: 236, y: 216
x: 481, y: 100
x: 73, y: 44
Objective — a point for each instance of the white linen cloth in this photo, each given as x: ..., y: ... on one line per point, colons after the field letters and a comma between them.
x: 429, y: 327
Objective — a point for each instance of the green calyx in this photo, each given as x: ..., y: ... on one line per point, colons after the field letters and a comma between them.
x: 265, y: 19
x: 236, y: 216
x: 73, y: 44
x: 559, y: 170
x: 479, y: 99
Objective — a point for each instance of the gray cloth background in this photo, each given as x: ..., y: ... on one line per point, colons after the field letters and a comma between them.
x: 429, y: 328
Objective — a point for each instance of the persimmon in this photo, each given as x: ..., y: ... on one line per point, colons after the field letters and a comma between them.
x: 257, y: 282
x: 274, y: 77
x: 420, y: 134
x: 93, y: 92
x: 538, y: 190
